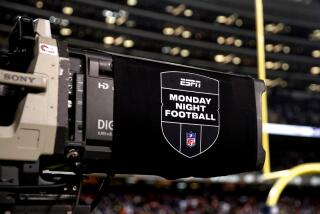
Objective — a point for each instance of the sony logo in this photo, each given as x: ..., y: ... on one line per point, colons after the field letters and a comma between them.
x: 190, y: 83
x: 18, y: 78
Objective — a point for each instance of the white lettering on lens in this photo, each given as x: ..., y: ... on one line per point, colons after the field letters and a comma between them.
x: 190, y: 99
x: 103, y: 85
x: 105, y: 124
x: 190, y: 83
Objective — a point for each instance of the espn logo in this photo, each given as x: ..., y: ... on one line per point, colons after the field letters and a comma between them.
x: 190, y: 83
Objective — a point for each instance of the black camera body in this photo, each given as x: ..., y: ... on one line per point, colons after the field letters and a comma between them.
x: 67, y: 113
x: 149, y: 117
x: 120, y: 114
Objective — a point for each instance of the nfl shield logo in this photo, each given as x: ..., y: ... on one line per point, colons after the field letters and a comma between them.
x: 190, y: 119
x: 191, y: 139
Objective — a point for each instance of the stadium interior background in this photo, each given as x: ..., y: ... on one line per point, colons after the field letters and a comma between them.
x: 219, y: 35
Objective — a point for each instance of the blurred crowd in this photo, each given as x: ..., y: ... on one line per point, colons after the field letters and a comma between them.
x: 196, y: 204
x: 294, y: 107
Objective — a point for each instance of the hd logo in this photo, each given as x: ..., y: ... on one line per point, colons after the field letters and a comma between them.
x: 190, y: 118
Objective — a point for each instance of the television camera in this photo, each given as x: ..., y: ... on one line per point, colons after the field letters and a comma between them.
x: 66, y: 113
